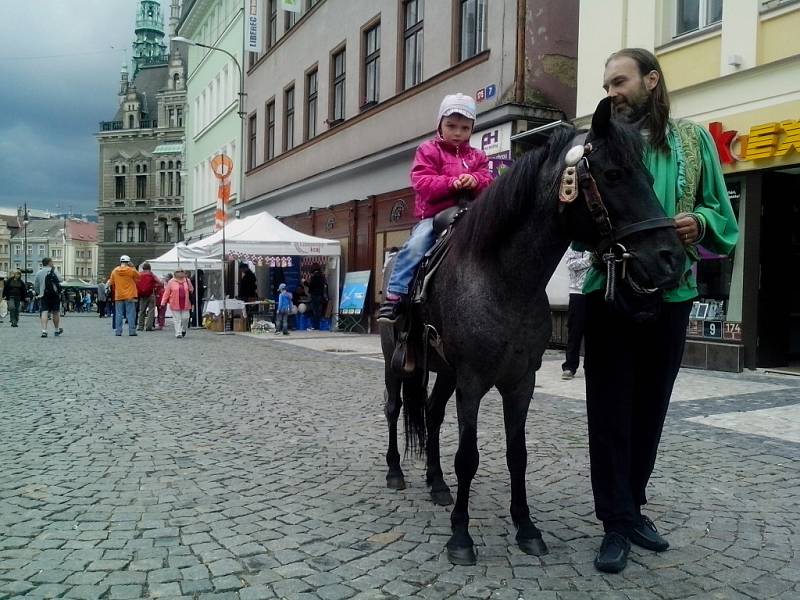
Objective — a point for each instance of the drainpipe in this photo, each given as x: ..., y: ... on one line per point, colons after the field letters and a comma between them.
x: 519, y: 67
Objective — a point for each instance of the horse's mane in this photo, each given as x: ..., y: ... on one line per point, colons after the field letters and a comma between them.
x: 507, y: 202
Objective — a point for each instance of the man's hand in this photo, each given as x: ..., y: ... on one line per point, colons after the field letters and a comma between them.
x: 687, y: 228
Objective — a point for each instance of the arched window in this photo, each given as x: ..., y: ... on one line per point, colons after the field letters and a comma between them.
x: 130, y: 121
x: 163, y: 165
x: 176, y: 225
x: 118, y: 233
x: 131, y: 232
x: 142, y: 231
x: 165, y: 230
x: 138, y: 168
x: 116, y: 169
x: 176, y: 79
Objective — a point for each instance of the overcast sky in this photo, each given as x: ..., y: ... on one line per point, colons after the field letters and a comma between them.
x: 59, y: 68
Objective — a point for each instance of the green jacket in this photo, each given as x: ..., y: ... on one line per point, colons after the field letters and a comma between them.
x: 691, y: 164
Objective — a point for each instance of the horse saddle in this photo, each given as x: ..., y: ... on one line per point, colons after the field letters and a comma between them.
x: 443, y: 225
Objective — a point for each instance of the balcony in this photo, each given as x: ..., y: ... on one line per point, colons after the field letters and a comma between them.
x: 117, y: 125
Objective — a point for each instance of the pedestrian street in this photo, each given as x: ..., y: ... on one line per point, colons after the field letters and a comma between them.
x: 250, y: 466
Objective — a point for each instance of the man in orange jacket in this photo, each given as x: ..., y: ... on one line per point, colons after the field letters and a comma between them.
x: 123, y: 282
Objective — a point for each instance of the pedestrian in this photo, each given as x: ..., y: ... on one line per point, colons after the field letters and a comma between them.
x: 101, y: 299
x: 631, y: 364
x: 178, y: 293
x: 146, y: 288
x: 446, y: 171
x: 283, y: 311
x: 14, y: 292
x: 248, y: 288
x: 47, y: 286
x: 318, y: 291
x: 578, y: 264
x: 161, y: 311
x: 123, y: 282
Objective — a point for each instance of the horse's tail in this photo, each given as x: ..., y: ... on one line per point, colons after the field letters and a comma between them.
x: 415, y: 398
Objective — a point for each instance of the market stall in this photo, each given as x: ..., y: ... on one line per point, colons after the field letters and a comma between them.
x: 263, y: 240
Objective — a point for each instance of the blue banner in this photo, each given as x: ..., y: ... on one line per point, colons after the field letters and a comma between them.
x: 354, y: 292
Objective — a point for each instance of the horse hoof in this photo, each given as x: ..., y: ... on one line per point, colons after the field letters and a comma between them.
x: 462, y: 556
x: 396, y: 483
x: 442, y: 497
x: 533, y: 546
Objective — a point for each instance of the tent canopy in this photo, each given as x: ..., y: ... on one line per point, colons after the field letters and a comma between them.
x: 183, y: 257
x: 265, y: 235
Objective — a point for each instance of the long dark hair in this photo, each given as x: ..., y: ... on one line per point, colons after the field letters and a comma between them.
x: 657, y: 113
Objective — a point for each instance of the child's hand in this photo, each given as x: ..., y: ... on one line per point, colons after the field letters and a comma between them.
x: 467, y: 181
x: 456, y: 185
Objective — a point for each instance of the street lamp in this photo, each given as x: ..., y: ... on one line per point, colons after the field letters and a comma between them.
x: 242, y: 113
x: 22, y: 213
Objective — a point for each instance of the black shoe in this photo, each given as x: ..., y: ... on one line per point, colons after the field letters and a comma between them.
x: 646, y: 535
x: 390, y: 311
x: 613, y: 554
x: 183, y: 334
x: 58, y: 331
x: 44, y: 334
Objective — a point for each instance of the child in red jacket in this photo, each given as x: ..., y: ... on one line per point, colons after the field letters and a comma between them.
x: 446, y: 168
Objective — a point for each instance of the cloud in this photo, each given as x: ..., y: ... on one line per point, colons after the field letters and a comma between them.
x: 64, y: 60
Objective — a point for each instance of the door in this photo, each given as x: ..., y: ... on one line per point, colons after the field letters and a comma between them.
x: 778, y: 300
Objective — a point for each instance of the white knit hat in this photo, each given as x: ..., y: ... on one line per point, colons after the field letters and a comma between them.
x: 456, y: 104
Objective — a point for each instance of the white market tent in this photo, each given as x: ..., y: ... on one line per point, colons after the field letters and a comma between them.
x: 264, y: 235
x: 183, y: 257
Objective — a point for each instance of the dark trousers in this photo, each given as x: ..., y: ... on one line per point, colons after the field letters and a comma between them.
x: 576, y: 323
x: 630, y: 370
x: 316, y: 311
x: 101, y: 308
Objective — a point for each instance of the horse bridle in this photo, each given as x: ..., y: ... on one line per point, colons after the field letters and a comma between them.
x: 576, y: 177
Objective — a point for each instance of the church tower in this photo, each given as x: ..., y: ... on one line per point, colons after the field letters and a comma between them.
x: 174, y: 17
x: 148, y: 46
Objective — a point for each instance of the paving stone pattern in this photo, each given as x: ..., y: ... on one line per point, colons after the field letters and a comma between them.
x: 229, y: 467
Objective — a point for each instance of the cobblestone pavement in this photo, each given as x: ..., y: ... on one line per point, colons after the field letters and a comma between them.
x: 246, y: 467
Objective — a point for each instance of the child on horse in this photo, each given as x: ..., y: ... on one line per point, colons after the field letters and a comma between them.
x: 446, y: 169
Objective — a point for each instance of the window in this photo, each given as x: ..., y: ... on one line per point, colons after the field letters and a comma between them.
x: 165, y: 230
x: 41, y: 249
x: 693, y: 15
x: 176, y: 223
x: 338, y: 86
x: 131, y: 232
x: 178, y: 179
x: 412, y: 42
x: 118, y: 233
x: 272, y: 25
x: 291, y: 19
x: 311, y: 105
x: 141, y: 186
x: 252, y: 126
x: 288, y: 119
x: 119, y: 189
x: 372, y: 65
x: 269, y: 146
x: 142, y: 232
x: 472, y: 23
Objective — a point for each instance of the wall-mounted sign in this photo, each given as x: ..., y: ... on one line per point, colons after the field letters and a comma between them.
x: 763, y: 141
x: 487, y: 93
x: 493, y: 141
x: 254, y: 38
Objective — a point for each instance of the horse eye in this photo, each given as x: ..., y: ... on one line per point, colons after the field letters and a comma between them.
x: 613, y: 174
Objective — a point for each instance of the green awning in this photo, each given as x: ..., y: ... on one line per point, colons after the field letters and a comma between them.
x: 169, y: 149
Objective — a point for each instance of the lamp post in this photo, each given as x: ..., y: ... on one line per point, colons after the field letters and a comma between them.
x: 23, y: 214
x: 242, y: 113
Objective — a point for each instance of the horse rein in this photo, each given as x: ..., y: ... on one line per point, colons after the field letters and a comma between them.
x: 577, y: 175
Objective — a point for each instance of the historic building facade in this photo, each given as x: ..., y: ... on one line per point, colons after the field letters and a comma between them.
x: 334, y: 114
x: 141, y: 164
x: 213, y: 125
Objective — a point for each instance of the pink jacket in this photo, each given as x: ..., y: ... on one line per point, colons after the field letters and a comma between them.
x: 172, y: 294
x: 437, y: 165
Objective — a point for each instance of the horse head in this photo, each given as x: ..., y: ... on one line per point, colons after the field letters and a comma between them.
x: 608, y: 203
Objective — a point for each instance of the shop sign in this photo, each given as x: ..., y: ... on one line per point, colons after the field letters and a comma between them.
x: 254, y: 41
x: 493, y: 141
x: 729, y: 331
x: 767, y: 140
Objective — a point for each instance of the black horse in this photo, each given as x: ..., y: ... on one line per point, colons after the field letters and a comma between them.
x: 506, y: 248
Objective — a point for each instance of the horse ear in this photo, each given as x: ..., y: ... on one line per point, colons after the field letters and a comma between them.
x: 601, y: 117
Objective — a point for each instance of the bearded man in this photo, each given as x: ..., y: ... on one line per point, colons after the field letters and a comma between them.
x: 631, y: 365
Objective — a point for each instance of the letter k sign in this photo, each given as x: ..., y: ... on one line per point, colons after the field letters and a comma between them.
x: 723, y: 141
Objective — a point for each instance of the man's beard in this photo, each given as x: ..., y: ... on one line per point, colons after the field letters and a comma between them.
x: 633, y: 109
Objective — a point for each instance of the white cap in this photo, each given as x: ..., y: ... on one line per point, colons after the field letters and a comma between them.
x: 124, y: 258
x: 456, y: 104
